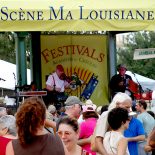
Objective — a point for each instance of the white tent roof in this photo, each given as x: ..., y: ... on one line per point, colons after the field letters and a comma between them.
x: 8, y: 73
x: 145, y: 82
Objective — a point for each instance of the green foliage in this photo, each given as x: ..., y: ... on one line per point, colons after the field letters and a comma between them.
x: 138, y: 40
x: 7, y: 47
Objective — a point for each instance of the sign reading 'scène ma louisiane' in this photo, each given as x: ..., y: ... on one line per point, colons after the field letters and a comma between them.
x: 64, y: 14
x: 79, y: 15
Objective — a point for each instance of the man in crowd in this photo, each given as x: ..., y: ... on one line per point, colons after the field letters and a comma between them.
x: 147, y: 121
x: 73, y: 107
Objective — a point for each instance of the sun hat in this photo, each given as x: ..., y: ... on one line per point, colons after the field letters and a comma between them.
x: 89, y: 107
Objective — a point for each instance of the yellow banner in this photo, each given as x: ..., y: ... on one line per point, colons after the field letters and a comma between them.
x: 84, y: 58
x: 79, y: 15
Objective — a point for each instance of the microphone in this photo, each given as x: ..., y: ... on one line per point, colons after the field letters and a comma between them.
x: 2, y: 79
x: 14, y: 75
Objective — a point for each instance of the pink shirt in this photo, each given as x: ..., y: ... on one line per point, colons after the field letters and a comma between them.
x: 86, y: 130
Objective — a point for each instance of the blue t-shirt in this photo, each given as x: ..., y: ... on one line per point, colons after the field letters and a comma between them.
x: 135, y: 129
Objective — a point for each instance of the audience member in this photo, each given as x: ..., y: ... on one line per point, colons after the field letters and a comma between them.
x: 7, y: 131
x: 2, y: 111
x: 87, y: 127
x: 73, y: 107
x: 51, y: 118
x: 147, y: 121
x: 32, y: 138
x: 52, y: 113
x: 150, y: 146
x: 114, y: 141
x: 68, y: 130
x: 104, y: 108
x: 88, y: 102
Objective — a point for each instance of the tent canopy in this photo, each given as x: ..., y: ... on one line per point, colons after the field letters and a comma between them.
x: 8, y: 75
x: 145, y: 82
x: 79, y: 15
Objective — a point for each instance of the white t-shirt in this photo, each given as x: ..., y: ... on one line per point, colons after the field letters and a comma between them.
x: 111, y: 140
x: 56, y: 81
x: 102, y: 125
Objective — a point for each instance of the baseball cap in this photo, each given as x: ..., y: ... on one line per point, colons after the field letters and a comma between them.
x: 89, y: 107
x: 51, y: 109
x: 71, y: 100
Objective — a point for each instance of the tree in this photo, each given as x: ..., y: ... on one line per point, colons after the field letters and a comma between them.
x: 7, y: 47
x: 134, y: 41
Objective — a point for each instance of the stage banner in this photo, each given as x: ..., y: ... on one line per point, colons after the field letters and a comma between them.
x: 77, y: 15
x: 84, y: 58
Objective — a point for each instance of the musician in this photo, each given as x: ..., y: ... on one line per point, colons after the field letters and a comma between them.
x: 120, y: 81
x: 57, y: 80
x: 55, y: 85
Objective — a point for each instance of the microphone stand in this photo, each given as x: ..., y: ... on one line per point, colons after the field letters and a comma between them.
x: 1, y: 79
x: 139, y: 85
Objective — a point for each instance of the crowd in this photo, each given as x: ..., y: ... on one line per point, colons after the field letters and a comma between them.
x: 79, y: 128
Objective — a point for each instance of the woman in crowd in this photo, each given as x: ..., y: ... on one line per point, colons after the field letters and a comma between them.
x: 7, y: 131
x: 114, y: 141
x: 68, y: 131
x: 32, y: 138
x: 87, y: 127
